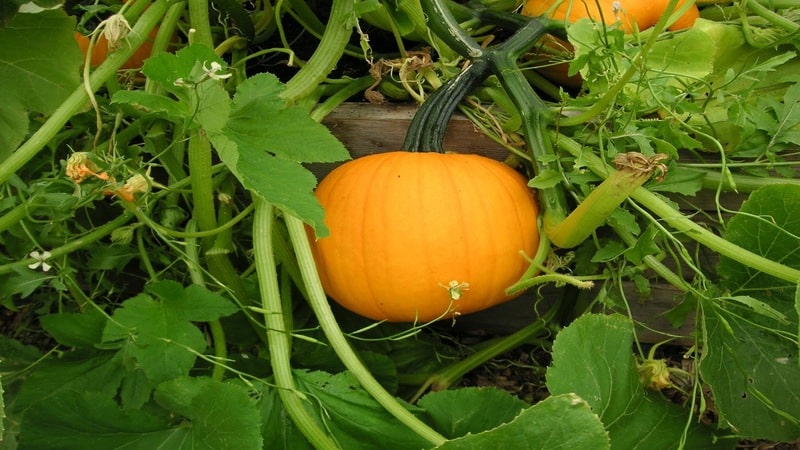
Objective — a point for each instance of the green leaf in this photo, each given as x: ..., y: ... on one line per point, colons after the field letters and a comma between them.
x: 679, y: 180
x: 751, y: 358
x: 546, y: 179
x: 260, y: 120
x: 279, y: 181
x: 458, y: 412
x: 77, y: 371
x: 158, y: 334
x: 16, y: 355
x: 157, y: 105
x: 276, y: 426
x: 688, y: 55
x: 185, y: 75
x: 352, y: 415
x: 39, y: 62
x: 593, y: 358
x: 264, y: 140
x: 562, y: 421
x: 80, y: 330
x: 80, y: 420
x: 222, y: 415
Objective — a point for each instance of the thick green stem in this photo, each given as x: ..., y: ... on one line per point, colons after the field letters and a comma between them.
x: 337, y: 340
x: 200, y: 158
x: 428, y: 126
x: 681, y: 223
x: 14, y: 215
x: 596, y: 207
x: 215, y: 326
x: 445, y: 378
x: 535, y: 116
x: 352, y: 88
x: 198, y: 20
x: 714, y: 179
x: 75, y: 244
x: 327, y: 55
x: 79, y: 97
x: 278, y: 335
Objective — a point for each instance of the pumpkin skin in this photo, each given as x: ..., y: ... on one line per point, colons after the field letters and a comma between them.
x: 633, y: 14
x: 406, y: 226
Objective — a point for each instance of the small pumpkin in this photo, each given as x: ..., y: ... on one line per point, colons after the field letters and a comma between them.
x: 420, y: 236
x: 100, y: 50
x: 631, y: 14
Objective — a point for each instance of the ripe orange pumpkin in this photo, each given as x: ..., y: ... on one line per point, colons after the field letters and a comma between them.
x: 419, y: 236
x: 100, y: 50
x: 632, y: 14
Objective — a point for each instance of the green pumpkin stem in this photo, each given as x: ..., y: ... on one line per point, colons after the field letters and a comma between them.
x: 429, y: 125
x: 633, y: 170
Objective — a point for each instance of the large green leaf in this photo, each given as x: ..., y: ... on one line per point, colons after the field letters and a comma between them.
x: 593, y: 358
x: 751, y: 357
x: 458, y: 412
x: 80, y: 330
x: 81, y: 420
x: 559, y: 422
x: 263, y: 142
x: 39, y: 62
x: 352, y: 415
x: 206, y: 416
x: 261, y: 139
x: 158, y: 333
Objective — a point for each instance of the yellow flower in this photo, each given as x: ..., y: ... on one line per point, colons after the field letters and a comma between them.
x: 136, y: 184
x: 80, y: 167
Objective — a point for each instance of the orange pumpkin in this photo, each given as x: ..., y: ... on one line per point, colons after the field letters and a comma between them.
x: 631, y: 14
x: 100, y: 50
x: 421, y: 236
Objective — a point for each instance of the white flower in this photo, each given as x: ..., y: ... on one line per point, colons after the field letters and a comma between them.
x: 211, y: 72
x: 41, y: 259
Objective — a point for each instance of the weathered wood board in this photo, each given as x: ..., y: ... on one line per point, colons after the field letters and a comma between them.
x: 366, y: 129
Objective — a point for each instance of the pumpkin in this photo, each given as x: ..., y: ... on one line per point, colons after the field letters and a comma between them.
x: 631, y: 14
x: 100, y: 50
x: 419, y: 236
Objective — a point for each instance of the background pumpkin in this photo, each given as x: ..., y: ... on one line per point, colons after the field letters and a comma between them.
x: 404, y: 225
x: 632, y: 14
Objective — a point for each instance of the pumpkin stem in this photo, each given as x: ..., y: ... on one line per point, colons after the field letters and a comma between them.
x: 429, y: 125
x: 632, y: 171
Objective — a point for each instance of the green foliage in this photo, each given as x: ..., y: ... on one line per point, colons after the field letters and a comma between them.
x: 255, y: 134
x: 592, y: 358
x: 34, y: 85
x: 752, y: 364
x: 560, y: 421
x: 142, y: 306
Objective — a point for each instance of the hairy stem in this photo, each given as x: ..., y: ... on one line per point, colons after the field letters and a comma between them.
x: 278, y: 335
x: 445, y: 378
x: 328, y: 52
x: 337, y: 340
x: 681, y: 223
